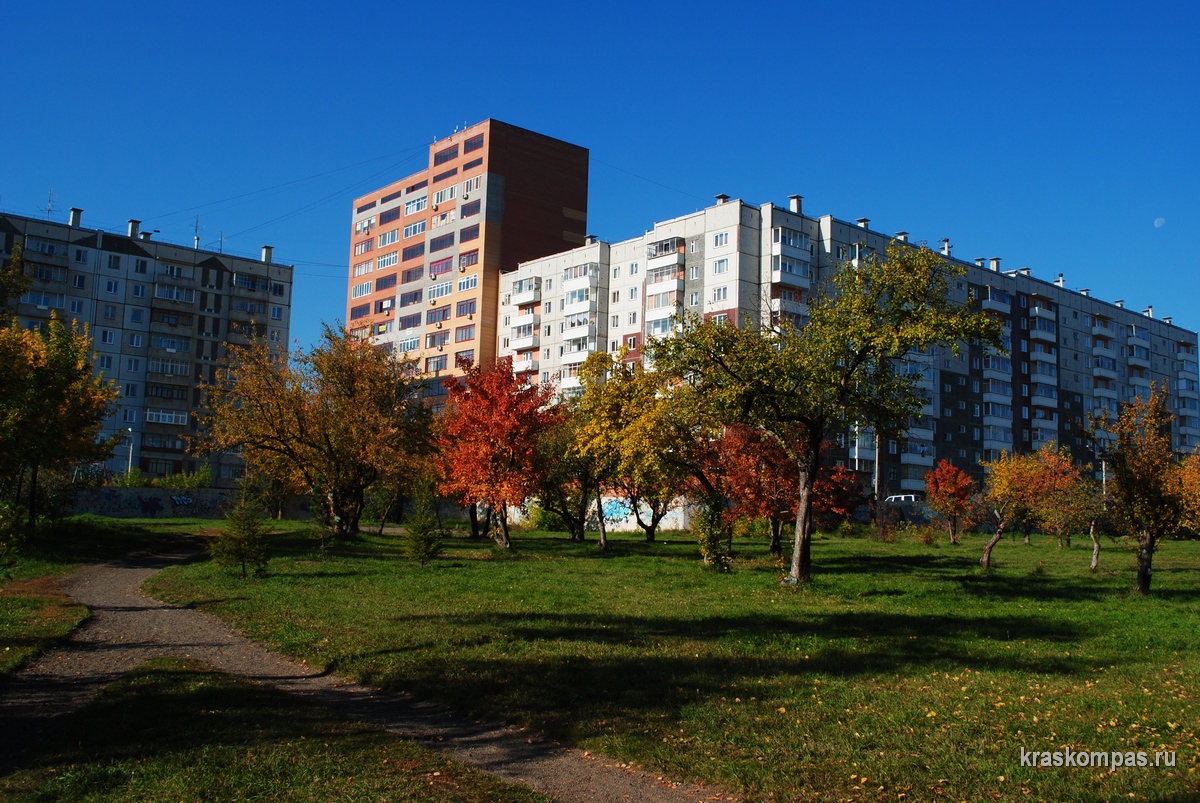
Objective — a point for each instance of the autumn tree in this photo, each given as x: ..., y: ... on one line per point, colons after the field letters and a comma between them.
x: 332, y: 420
x: 1007, y: 495
x: 14, y: 281
x: 1054, y: 484
x: 759, y: 479
x: 569, y: 483
x: 1188, y: 483
x: 1145, y: 489
x: 489, y: 443
x: 837, y: 493
x: 625, y: 427
x: 948, y: 492
x: 846, y: 365
x: 52, y: 406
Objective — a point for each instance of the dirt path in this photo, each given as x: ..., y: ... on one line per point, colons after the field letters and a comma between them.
x: 127, y: 628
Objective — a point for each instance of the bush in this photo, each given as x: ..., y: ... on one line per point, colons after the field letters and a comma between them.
x: 422, y: 537
x: 244, y: 540
x: 132, y: 479
x: 545, y: 520
x: 707, y: 530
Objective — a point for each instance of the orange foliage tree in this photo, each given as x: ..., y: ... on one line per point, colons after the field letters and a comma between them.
x: 1055, y: 482
x: 490, y: 434
x: 836, y: 494
x: 1007, y: 494
x: 948, y: 492
x: 759, y: 479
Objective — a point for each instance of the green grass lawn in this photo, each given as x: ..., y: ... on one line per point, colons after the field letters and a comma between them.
x: 171, y: 731
x: 903, y: 670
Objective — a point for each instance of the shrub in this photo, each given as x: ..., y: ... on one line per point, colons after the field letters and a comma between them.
x: 707, y: 530
x: 422, y: 537
x: 243, y: 541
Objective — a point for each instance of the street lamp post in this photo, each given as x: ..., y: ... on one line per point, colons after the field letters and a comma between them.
x: 129, y: 468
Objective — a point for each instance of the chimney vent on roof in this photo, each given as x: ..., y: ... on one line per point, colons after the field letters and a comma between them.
x: 794, y: 204
x: 266, y: 253
x: 722, y: 198
x: 1083, y: 291
x: 1024, y: 271
x: 1059, y: 281
x: 902, y: 236
x: 996, y: 264
x: 196, y: 242
x: 979, y: 262
x: 133, y: 227
x: 1149, y: 311
x: 145, y: 235
x: 76, y: 215
x: 946, y: 246
x: 590, y: 239
x: 1167, y: 319
x: 1120, y: 302
x: 862, y: 222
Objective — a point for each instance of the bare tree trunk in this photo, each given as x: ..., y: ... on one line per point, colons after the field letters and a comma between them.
x: 501, y: 536
x: 473, y: 517
x: 1095, y: 546
x: 776, y: 536
x: 801, y: 568
x: 986, y: 560
x: 600, y: 517
x: 33, y: 491
x: 1145, y: 557
x: 954, y: 530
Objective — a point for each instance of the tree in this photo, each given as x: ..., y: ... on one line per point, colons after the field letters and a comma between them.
x: 14, y: 281
x: 568, y: 484
x: 489, y: 442
x: 52, y: 407
x: 243, y: 542
x: 948, y: 492
x: 1055, y: 482
x: 624, y: 428
x: 836, y: 494
x: 846, y: 365
x: 1008, y: 495
x: 759, y: 479
x: 332, y: 420
x: 1145, y: 486
x: 422, y: 536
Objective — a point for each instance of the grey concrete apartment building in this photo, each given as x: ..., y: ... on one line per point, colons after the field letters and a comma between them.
x: 1066, y: 352
x: 160, y: 315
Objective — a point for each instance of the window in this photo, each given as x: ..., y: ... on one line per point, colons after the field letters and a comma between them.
x: 412, y: 252
x: 382, y: 283
x: 106, y: 336
x: 407, y: 299
x: 136, y: 315
x: 464, y: 333
x: 633, y: 317
x: 364, y: 247
x: 360, y: 290
x: 408, y: 322
x: 81, y: 256
x: 465, y: 308
x: 111, y: 287
x: 411, y: 230
x: 277, y: 313
x: 633, y: 268
x: 721, y: 266
x: 361, y: 311
x: 130, y: 390
x: 129, y: 416
x: 693, y: 299
x: 434, y: 364
x: 114, y: 262
x: 617, y: 272
x: 104, y: 363
x: 78, y: 282
x: 720, y: 293
x: 416, y: 205
x: 470, y: 209
x: 720, y: 239
x: 469, y: 233
x: 694, y: 272
x: 631, y: 342
x: 468, y: 283
x: 472, y: 258
x: 364, y: 267
x: 76, y: 307
x: 440, y: 290
x: 389, y: 216
x: 633, y: 293
x: 387, y: 260
x: 436, y: 340
x: 139, y: 266
x: 445, y: 155
x: 448, y: 194
x: 110, y: 311
x: 441, y: 243
x: 616, y: 296
x: 438, y: 315
x: 473, y: 144
x: 616, y: 321
x: 412, y: 275
x: 441, y: 266
x: 175, y: 417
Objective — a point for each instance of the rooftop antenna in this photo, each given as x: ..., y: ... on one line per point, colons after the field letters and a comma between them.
x: 196, y: 229
x: 50, y: 204
x: 221, y: 243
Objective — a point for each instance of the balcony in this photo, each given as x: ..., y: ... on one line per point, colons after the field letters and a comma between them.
x: 912, y: 485
x: 792, y: 251
x: 587, y: 305
x: 919, y: 433
x: 1042, y: 437
x: 1042, y: 335
x: 1105, y: 393
x: 525, y: 294
x: 917, y: 454
x: 1139, y: 362
x: 790, y: 279
x: 1104, y: 373
x: 522, y: 366
x: 569, y: 383
x: 524, y: 342
x: 793, y: 307
x: 1104, y: 351
x: 1041, y: 356
x: 1043, y: 313
x: 527, y: 319
x: 1140, y: 382
x: 996, y: 305
x: 1102, y: 328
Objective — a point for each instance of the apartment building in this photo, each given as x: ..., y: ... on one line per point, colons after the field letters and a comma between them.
x: 161, y: 316
x: 427, y: 251
x: 1065, y: 354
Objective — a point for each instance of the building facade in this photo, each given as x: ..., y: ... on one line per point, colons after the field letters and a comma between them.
x: 427, y: 251
x: 160, y: 315
x: 1066, y: 353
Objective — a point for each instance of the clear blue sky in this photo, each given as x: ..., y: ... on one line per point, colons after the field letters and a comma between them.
x: 1058, y: 136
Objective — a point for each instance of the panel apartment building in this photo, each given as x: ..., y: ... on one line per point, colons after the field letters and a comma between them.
x: 427, y: 251
x: 160, y: 316
x: 1065, y: 352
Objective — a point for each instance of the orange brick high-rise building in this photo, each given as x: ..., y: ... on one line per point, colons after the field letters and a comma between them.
x: 427, y: 251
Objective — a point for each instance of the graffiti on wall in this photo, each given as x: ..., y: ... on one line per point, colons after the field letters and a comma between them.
x: 154, y: 503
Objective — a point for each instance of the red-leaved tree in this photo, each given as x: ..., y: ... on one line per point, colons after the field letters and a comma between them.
x: 760, y: 479
x: 489, y: 439
x: 948, y: 492
x: 837, y: 493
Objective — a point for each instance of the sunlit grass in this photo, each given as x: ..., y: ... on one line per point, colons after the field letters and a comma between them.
x: 903, y: 663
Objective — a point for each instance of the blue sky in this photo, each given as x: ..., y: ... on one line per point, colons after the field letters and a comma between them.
x: 1053, y: 135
